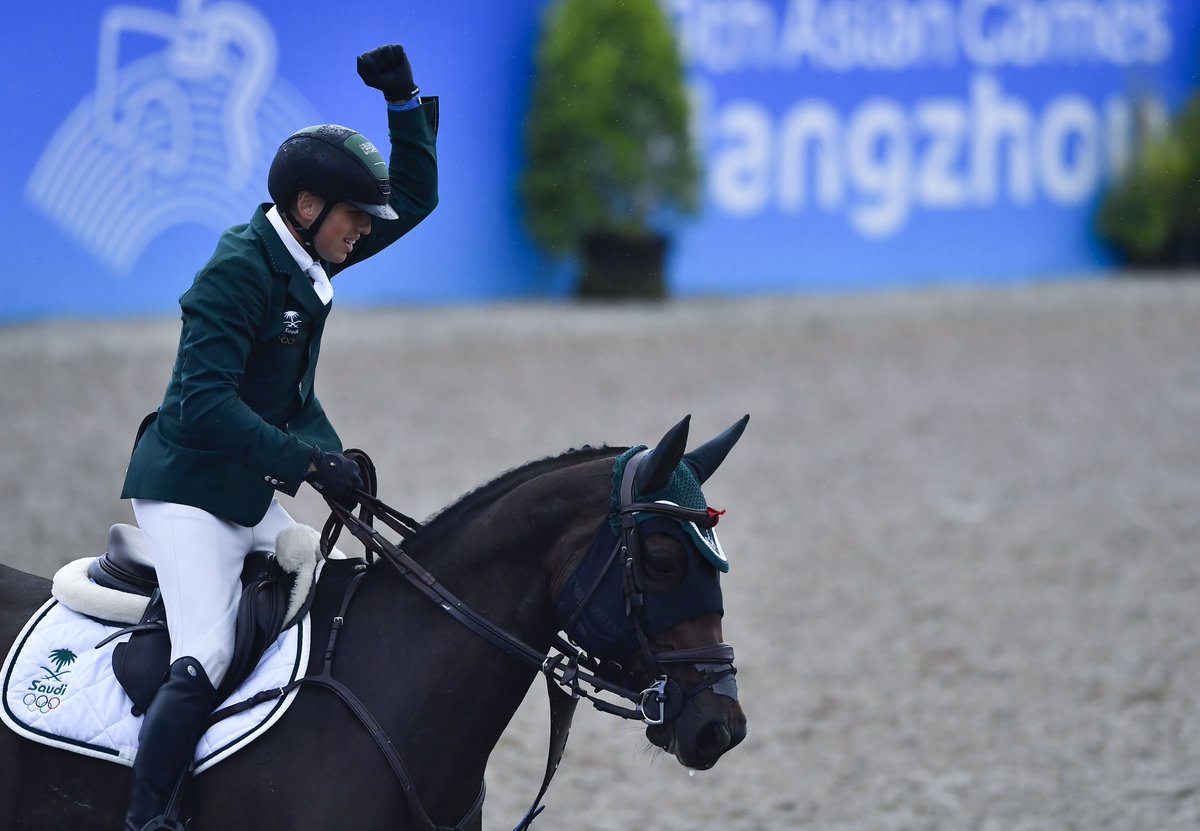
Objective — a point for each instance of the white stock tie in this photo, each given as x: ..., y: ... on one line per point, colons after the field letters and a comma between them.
x: 320, y: 282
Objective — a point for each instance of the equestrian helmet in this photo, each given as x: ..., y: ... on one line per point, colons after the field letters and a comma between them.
x: 335, y: 163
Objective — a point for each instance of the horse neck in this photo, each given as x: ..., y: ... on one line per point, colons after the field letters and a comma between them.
x: 505, y: 554
x: 452, y: 689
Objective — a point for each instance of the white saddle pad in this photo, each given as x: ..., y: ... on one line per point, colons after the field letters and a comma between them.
x: 59, y: 690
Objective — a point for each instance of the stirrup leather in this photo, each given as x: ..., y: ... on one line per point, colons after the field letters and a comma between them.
x: 163, y: 824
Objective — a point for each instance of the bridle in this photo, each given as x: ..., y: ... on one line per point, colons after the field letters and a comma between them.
x: 567, y: 668
x: 665, y: 699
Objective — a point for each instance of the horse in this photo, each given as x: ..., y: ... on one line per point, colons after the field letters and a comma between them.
x: 537, y: 551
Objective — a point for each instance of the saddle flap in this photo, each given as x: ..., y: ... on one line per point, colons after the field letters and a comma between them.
x: 140, y: 664
x: 121, y: 587
x: 260, y: 616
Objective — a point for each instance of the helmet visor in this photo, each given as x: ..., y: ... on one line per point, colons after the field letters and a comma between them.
x: 384, y: 211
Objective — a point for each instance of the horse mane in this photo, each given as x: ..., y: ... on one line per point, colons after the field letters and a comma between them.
x: 447, y: 520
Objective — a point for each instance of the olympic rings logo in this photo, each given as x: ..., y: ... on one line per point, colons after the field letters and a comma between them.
x: 41, y: 703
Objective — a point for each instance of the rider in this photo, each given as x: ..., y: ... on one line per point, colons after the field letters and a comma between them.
x: 240, y: 419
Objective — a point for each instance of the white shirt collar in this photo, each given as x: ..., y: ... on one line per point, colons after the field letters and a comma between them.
x: 302, y: 257
x: 315, y: 271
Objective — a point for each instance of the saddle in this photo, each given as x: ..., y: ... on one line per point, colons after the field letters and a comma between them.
x: 120, y: 586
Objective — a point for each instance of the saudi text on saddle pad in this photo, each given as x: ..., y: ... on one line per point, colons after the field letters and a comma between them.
x: 59, y: 690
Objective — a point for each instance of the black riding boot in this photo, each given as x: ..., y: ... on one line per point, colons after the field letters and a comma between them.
x: 170, y: 730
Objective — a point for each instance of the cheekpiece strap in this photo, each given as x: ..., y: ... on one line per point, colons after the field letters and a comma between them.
x: 628, y: 477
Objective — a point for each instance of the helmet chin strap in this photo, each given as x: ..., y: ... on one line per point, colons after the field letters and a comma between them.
x: 308, y: 235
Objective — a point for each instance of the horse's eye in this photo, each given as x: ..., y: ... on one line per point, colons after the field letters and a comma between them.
x: 660, y: 566
x: 663, y: 559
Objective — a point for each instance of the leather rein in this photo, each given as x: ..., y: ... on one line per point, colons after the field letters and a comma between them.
x: 566, y: 668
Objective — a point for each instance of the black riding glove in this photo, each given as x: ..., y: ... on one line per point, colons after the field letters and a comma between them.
x: 387, y: 69
x: 336, y: 477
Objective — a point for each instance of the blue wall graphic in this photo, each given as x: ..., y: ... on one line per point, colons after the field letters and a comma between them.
x: 847, y: 144
x: 172, y: 137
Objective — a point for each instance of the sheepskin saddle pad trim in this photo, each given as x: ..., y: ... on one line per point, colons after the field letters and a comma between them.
x: 297, y: 550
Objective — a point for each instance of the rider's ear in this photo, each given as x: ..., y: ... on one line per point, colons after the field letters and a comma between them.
x: 706, y: 458
x: 656, y: 469
x: 307, y: 205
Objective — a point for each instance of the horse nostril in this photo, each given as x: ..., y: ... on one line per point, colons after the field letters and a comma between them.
x: 714, y: 739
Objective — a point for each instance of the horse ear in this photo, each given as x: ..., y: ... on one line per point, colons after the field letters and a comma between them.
x: 706, y: 458
x: 658, y: 467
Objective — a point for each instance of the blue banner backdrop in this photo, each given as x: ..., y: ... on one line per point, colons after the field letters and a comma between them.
x: 872, y: 143
x: 848, y: 144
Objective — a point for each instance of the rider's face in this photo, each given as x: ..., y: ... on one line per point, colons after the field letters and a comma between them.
x: 341, y: 229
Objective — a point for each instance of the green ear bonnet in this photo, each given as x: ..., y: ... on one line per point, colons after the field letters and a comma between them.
x: 683, y: 490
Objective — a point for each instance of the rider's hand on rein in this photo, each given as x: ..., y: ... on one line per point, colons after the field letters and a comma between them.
x: 335, y: 477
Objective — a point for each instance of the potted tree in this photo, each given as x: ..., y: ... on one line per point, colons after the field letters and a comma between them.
x: 1151, y: 214
x: 609, y: 156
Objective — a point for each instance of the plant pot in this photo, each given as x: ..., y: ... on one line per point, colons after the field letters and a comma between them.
x: 616, y: 266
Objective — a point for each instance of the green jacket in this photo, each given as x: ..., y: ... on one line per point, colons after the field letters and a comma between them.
x: 240, y: 416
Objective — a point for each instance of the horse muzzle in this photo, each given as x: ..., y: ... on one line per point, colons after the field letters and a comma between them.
x: 708, y: 726
x: 697, y: 724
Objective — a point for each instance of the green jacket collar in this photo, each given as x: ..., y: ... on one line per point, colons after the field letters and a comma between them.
x: 283, y: 263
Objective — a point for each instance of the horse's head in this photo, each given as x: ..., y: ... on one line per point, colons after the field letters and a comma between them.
x: 646, y: 599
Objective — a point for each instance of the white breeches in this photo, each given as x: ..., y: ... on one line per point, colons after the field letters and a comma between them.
x: 198, y: 557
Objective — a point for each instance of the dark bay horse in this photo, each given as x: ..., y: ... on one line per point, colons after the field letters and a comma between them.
x: 511, y: 550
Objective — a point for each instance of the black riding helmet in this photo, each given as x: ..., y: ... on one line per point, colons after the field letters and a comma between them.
x: 334, y: 163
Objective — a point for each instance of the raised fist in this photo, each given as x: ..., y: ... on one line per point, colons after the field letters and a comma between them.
x: 387, y: 69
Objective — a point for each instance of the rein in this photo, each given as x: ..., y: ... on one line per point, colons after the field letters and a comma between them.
x: 564, y: 671
x: 570, y: 667
x: 567, y: 668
